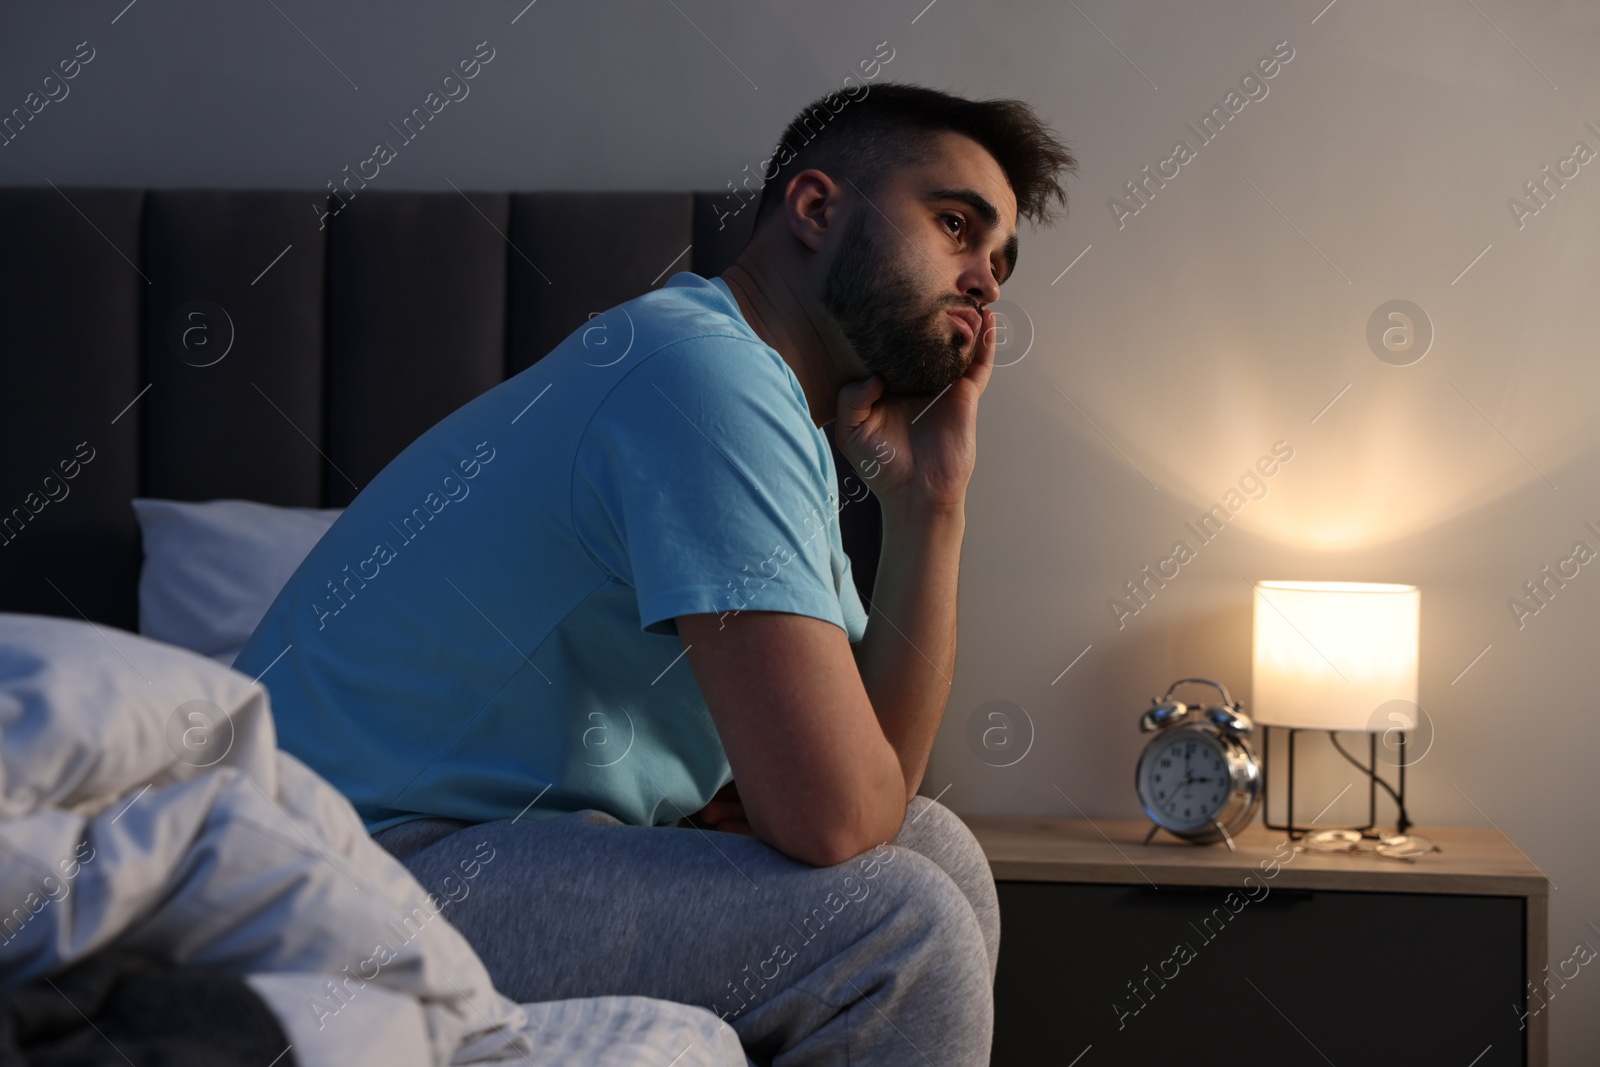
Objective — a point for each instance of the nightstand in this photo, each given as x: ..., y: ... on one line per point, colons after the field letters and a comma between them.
x: 1171, y: 953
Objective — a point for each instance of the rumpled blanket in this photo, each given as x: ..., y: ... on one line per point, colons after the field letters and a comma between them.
x: 144, y: 804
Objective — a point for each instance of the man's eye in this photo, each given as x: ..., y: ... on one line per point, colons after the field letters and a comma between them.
x: 959, y: 220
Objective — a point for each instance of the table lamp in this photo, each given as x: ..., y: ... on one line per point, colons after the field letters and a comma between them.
x: 1335, y: 656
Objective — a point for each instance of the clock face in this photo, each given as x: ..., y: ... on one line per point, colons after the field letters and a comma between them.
x: 1184, y: 779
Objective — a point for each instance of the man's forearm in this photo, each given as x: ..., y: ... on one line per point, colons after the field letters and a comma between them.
x: 907, y: 657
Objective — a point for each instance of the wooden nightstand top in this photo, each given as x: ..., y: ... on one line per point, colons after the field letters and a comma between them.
x: 1474, y: 860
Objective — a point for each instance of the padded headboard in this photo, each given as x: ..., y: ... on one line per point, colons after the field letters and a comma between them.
x: 202, y: 344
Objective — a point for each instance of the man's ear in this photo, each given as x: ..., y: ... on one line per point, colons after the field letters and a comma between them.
x: 812, y: 204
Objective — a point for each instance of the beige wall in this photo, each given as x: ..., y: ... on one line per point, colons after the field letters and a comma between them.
x: 1220, y: 319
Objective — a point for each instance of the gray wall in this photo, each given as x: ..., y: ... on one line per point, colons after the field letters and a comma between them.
x: 1183, y: 343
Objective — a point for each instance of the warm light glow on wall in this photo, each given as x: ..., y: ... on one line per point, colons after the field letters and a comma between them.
x: 1328, y: 655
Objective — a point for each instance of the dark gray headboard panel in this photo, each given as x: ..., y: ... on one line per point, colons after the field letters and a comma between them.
x: 197, y: 344
x: 223, y: 421
x: 414, y: 278
x: 598, y: 250
x: 71, y: 305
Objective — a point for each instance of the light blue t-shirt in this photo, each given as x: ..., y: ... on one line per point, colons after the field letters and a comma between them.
x: 487, y: 631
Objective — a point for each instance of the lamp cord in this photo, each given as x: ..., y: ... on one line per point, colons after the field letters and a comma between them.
x: 1372, y: 773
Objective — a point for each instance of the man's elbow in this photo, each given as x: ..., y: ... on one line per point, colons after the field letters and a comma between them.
x: 825, y: 848
x: 827, y: 854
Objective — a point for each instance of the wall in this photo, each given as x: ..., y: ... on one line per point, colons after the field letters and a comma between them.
x: 1229, y: 313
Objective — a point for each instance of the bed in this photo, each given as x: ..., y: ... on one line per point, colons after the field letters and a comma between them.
x: 189, y: 346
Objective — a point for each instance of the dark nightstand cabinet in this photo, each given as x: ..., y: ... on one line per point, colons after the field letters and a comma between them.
x: 1336, y: 959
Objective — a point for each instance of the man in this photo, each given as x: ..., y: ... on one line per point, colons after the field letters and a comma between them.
x: 579, y: 608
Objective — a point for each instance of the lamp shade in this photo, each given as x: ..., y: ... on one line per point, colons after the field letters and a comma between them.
x: 1328, y: 655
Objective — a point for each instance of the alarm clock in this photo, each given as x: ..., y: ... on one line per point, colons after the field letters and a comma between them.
x: 1198, y: 778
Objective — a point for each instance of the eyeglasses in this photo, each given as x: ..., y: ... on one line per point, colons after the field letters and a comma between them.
x: 1390, y: 846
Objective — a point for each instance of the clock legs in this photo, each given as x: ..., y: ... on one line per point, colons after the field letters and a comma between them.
x: 1155, y: 828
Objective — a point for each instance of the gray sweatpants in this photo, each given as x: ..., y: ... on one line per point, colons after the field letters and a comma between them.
x: 888, y: 958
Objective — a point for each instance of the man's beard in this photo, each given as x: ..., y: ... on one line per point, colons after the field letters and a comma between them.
x: 896, y: 332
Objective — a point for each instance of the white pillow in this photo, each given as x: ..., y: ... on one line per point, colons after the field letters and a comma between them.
x: 211, y: 570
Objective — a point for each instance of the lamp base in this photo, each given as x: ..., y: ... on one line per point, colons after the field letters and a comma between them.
x: 1294, y: 831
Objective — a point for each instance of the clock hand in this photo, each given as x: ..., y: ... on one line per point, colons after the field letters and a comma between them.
x: 1181, y: 787
x: 1172, y: 797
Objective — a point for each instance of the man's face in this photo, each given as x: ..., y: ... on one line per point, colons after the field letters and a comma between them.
x: 890, y: 288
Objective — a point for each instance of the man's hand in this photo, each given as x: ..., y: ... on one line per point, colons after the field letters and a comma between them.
x: 917, y: 450
x: 725, y: 812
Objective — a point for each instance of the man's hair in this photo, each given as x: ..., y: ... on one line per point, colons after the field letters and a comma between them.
x: 893, y: 125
